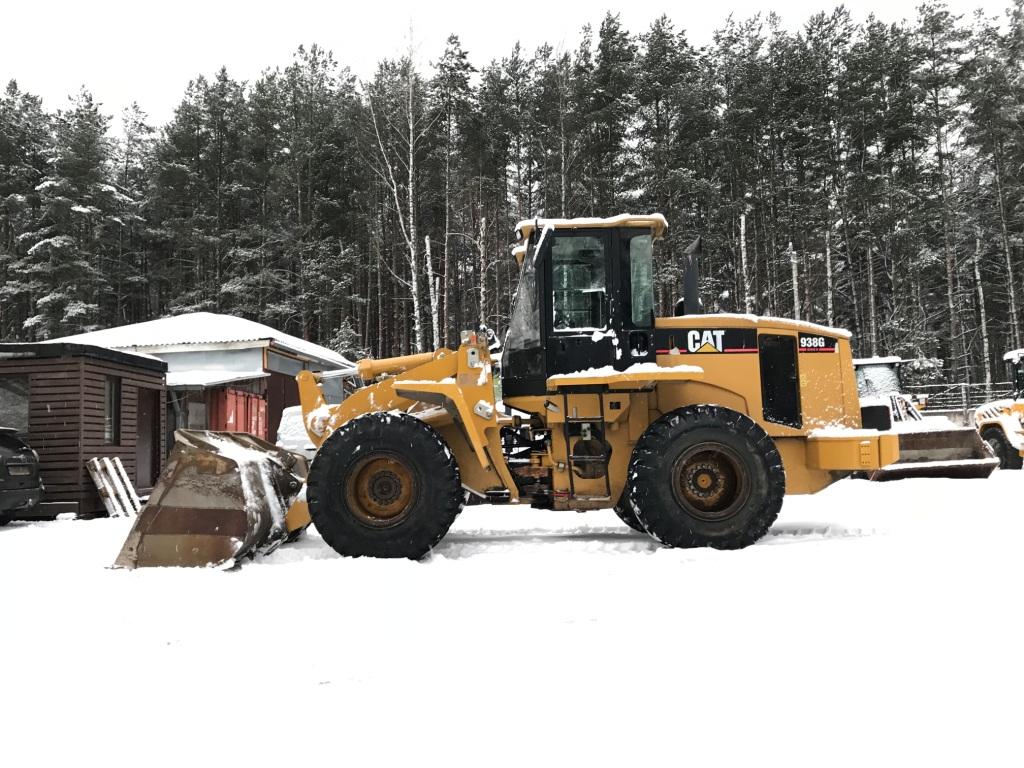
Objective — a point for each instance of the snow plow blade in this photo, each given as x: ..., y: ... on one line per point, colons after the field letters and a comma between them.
x: 956, y: 453
x: 221, y: 496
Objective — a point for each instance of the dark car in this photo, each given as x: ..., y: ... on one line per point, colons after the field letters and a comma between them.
x: 20, y: 487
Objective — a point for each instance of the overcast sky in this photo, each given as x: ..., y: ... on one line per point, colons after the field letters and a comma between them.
x: 148, y: 51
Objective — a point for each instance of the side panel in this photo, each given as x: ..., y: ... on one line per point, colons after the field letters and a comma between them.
x: 828, y: 385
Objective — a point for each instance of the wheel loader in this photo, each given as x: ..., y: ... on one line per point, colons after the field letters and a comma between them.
x: 1001, y: 422
x: 693, y: 428
x: 930, y: 446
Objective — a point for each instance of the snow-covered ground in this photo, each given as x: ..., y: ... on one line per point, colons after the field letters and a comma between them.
x: 878, y: 624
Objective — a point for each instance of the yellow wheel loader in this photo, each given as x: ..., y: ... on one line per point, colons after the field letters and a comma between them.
x: 930, y: 446
x: 1001, y: 422
x: 692, y: 427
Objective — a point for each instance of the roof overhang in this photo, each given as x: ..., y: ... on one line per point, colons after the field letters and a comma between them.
x: 224, y: 346
x: 49, y: 350
x: 193, y: 379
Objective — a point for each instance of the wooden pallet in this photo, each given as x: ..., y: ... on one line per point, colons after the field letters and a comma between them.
x: 116, y: 490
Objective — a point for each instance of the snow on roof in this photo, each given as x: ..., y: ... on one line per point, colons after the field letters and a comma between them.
x: 877, y: 360
x: 1014, y: 355
x: 200, y: 379
x: 58, y: 347
x: 201, y: 328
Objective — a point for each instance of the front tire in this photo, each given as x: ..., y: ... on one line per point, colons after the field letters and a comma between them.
x: 626, y: 515
x: 1008, y: 457
x: 705, y: 475
x: 384, y: 485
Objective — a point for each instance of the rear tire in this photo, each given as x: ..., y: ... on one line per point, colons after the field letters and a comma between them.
x: 705, y: 475
x: 4, y: 520
x: 384, y: 485
x: 1008, y: 458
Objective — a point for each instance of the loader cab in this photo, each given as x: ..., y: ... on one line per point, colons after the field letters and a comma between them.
x: 585, y: 300
x: 1015, y: 372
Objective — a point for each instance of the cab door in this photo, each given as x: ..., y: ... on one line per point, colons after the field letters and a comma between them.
x: 578, y: 307
x: 636, y: 276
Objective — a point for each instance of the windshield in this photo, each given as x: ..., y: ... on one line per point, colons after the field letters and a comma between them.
x: 522, y: 352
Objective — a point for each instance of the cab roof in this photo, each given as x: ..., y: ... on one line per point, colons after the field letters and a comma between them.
x: 655, y: 221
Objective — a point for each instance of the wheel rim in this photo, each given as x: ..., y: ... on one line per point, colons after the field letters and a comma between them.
x: 709, y: 483
x: 380, y: 490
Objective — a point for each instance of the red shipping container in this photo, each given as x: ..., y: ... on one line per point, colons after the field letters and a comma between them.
x: 232, y: 410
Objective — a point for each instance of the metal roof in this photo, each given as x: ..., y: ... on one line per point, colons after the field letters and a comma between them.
x: 206, y: 328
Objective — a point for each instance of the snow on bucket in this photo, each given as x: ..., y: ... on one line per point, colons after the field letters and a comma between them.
x: 222, y: 495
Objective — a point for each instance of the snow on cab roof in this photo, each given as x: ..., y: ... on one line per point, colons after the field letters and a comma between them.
x: 655, y: 221
x: 200, y: 328
x: 1014, y: 355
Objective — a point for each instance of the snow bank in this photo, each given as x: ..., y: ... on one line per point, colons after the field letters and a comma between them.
x: 291, y: 433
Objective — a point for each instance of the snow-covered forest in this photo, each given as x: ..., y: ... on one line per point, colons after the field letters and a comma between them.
x: 866, y: 174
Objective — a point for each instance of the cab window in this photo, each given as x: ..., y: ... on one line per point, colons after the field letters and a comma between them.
x: 579, y: 283
x: 641, y: 280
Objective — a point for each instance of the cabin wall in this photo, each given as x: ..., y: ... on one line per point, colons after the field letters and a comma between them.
x: 66, y: 423
x: 133, y: 383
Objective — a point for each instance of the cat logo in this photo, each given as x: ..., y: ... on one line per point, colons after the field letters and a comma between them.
x: 705, y: 341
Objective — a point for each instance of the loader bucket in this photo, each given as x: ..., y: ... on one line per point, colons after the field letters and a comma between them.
x: 955, y: 452
x: 222, y: 495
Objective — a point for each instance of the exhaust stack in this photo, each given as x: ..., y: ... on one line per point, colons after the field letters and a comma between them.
x: 691, y: 304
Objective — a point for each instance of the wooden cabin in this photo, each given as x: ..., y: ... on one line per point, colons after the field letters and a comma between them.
x: 72, y: 402
x: 223, y: 372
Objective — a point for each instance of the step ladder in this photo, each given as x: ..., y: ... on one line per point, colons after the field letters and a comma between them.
x: 571, y: 463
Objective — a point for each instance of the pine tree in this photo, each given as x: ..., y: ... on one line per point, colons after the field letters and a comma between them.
x: 78, y: 221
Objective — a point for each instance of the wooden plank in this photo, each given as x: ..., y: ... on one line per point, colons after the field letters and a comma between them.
x: 132, y: 495
x: 106, y: 492
x: 115, y: 482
